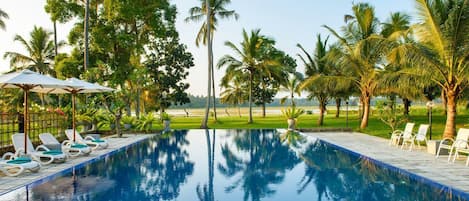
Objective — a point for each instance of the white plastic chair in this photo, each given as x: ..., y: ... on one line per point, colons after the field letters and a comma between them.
x: 41, y: 152
x: 72, y: 149
x: 397, y: 135
x: 11, y: 166
x: 88, y: 140
x: 420, y: 136
x: 451, y: 145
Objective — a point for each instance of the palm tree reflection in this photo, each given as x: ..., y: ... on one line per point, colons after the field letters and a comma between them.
x: 260, y: 158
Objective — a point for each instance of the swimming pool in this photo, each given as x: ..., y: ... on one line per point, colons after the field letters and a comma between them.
x: 223, y: 165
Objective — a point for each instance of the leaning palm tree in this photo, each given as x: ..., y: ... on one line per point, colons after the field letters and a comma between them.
x: 3, y: 15
x: 251, y: 60
x: 40, y: 52
x: 217, y: 10
x: 442, y: 55
x: 362, y: 51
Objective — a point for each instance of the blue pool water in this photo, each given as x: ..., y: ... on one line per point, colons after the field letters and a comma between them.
x: 234, y: 165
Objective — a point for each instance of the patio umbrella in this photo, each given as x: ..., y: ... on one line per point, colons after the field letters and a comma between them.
x: 77, y: 86
x: 30, y: 81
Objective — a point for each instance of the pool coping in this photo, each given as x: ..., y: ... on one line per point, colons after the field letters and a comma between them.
x: 78, y: 165
x: 435, y: 184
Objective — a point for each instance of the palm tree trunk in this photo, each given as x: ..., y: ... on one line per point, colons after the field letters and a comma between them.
x: 55, y: 39
x: 451, y: 101
x: 209, y: 51
x: 406, y: 106
x: 263, y: 109
x: 321, y: 112
x: 239, y: 111
x: 366, y: 111
x: 444, y: 101
x: 213, y: 83
x: 86, y: 24
x: 337, y: 106
x: 137, y: 102
x: 250, y: 96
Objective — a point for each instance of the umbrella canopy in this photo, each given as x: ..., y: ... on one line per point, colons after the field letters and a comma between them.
x: 77, y: 86
x: 30, y: 81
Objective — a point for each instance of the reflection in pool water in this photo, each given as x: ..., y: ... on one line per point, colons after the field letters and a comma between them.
x: 211, y: 165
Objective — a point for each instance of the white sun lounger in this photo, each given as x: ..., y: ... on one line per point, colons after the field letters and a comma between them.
x: 420, y: 136
x: 40, y: 153
x: 88, y: 140
x: 12, y: 167
x: 397, y: 135
x: 450, y: 144
x: 72, y: 149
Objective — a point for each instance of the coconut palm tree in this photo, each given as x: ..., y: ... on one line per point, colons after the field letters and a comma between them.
x: 217, y: 10
x: 234, y: 93
x: 40, y: 52
x: 292, y: 87
x: 251, y: 60
x: 3, y: 16
x: 320, y: 81
x: 442, y: 54
x: 362, y: 50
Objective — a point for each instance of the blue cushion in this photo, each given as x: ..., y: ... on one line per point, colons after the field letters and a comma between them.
x: 53, y: 152
x: 98, y: 141
x: 79, y: 146
x: 19, y: 160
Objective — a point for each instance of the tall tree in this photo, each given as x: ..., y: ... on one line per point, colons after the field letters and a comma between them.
x: 3, y: 16
x: 442, y: 55
x: 216, y: 10
x: 39, y: 52
x: 362, y: 50
x: 250, y: 60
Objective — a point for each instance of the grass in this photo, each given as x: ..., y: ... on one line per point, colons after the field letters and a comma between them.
x: 375, y: 126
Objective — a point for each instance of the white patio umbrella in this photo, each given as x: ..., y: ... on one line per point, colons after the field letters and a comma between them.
x: 79, y: 86
x: 31, y: 81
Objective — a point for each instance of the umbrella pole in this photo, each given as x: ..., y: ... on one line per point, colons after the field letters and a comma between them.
x: 25, y: 119
x: 73, y: 115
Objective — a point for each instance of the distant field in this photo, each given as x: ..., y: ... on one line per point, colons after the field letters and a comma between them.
x: 228, y: 119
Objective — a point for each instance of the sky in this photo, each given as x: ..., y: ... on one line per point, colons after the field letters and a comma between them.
x: 288, y: 22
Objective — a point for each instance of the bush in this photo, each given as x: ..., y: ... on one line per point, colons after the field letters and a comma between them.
x: 146, y: 122
x: 293, y: 112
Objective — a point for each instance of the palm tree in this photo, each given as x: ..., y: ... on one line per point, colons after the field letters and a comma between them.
x: 234, y: 93
x: 292, y: 87
x: 362, y: 50
x: 40, y: 52
x: 251, y: 60
x: 3, y: 15
x: 319, y: 82
x: 216, y: 10
x: 442, y: 54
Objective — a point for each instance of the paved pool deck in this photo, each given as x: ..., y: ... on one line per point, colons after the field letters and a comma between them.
x: 11, y: 184
x: 419, y: 162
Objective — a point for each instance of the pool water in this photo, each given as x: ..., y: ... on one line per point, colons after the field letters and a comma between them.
x: 209, y: 165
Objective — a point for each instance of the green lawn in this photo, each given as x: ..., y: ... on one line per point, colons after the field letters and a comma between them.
x: 375, y: 127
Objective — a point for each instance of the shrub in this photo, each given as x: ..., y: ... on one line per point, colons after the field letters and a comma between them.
x: 293, y: 112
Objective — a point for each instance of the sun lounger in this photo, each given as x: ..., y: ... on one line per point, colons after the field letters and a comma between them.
x: 11, y: 166
x: 397, y: 135
x: 88, y: 140
x: 41, y: 154
x: 420, y: 136
x: 450, y: 144
x: 72, y: 149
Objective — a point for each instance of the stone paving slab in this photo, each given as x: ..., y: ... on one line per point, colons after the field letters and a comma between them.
x: 8, y: 184
x: 419, y: 162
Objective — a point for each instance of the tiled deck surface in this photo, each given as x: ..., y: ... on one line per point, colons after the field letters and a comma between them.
x: 418, y: 162
x: 8, y: 184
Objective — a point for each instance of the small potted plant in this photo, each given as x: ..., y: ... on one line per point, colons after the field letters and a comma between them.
x: 166, y: 121
x: 292, y: 114
x: 128, y: 121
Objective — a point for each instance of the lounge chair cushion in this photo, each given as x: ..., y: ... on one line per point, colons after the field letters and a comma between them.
x: 79, y: 146
x: 98, y: 141
x: 53, y: 152
x: 19, y: 160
